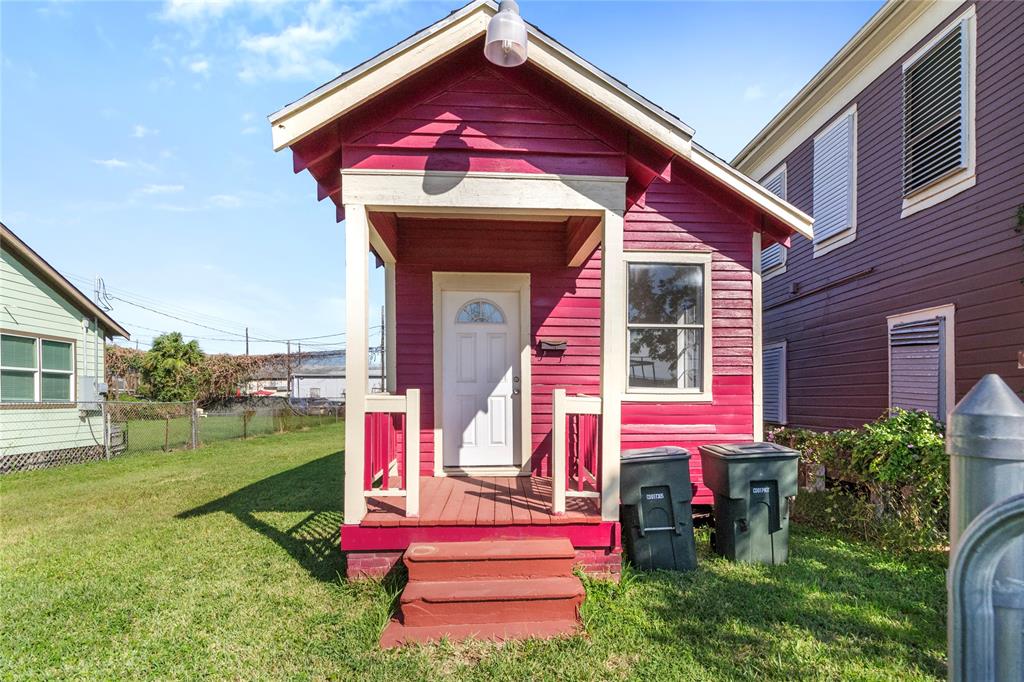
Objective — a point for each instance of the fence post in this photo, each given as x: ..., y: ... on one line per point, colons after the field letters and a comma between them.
x: 106, y: 429
x: 245, y: 423
x: 195, y: 427
x: 167, y: 433
x: 985, y: 442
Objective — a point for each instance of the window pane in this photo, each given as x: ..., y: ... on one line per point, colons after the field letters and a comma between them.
x: 56, y: 355
x: 17, y: 351
x: 17, y: 386
x: 665, y: 358
x: 480, y: 312
x: 56, y: 386
x: 662, y: 293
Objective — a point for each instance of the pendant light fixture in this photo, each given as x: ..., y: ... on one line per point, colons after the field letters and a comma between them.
x: 505, y: 44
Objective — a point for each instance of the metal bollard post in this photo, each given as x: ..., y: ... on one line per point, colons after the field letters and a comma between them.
x: 985, y: 442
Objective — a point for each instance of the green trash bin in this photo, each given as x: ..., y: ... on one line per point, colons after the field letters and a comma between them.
x: 656, y: 514
x: 754, y: 486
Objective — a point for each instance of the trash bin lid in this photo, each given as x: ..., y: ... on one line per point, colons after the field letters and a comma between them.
x: 665, y: 453
x: 743, y: 451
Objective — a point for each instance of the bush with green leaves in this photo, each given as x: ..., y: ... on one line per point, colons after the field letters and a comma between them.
x: 888, y: 480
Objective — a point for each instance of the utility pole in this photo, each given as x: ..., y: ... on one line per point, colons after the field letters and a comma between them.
x: 246, y: 340
x: 288, y: 365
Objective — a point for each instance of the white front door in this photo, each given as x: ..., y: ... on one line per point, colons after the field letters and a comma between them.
x: 480, y: 366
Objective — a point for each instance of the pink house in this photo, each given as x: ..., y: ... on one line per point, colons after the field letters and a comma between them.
x: 568, y: 275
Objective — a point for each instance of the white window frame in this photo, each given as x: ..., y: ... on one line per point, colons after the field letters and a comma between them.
x: 783, y: 387
x: 948, y: 312
x: 38, y: 370
x: 654, y: 394
x: 849, y: 234
x: 955, y: 182
x: 781, y: 267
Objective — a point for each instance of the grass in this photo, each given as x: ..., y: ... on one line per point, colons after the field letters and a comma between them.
x: 222, y: 563
x: 148, y: 435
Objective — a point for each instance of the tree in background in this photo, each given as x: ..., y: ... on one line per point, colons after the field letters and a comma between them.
x: 172, y: 369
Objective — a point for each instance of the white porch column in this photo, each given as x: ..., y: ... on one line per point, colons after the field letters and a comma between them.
x: 755, y: 286
x: 613, y: 360
x: 390, y: 333
x: 357, y: 246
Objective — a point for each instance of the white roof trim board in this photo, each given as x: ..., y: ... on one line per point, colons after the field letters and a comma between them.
x: 362, y: 83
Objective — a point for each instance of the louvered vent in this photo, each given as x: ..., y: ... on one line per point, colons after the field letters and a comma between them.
x: 776, y: 184
x: 772, y: 257
x: 916, y: 374
x: 935, y: 112
x: 773, y: 372
x: 833, y: 179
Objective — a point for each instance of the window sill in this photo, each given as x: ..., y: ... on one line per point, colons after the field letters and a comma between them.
x: 32, y: 405
x: 666, y: 397
x: 834, y: 242
x: 777, y: 270
x: 937, y: 193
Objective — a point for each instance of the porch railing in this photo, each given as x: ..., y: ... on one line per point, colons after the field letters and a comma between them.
x: 392, y: 448
x: 576, y: 448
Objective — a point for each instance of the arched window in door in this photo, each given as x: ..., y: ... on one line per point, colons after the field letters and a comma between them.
x: 480, y: 312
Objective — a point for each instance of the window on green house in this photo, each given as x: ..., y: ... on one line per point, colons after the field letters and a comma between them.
x: 34, y: 370
x: 55, y: 384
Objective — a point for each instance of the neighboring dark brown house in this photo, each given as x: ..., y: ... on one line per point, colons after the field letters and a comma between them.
x: 908, y: 150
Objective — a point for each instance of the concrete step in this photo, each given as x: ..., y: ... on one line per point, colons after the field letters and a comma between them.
x: 526, y: 558
x: 491, y: 601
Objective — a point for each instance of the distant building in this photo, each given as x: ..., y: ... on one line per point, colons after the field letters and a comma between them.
x: 315, y: 375
x: 52, y: 344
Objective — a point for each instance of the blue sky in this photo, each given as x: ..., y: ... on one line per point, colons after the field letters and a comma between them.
x: 134, y: 142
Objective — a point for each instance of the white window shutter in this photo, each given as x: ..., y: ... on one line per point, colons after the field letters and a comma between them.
x: 935, y: 112
x: 772, y: 257
x: 916, y: 368
x: 773, y: 372
x: 833, y: 192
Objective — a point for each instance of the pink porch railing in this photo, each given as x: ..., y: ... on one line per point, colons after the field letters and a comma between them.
x: 576, y: 448
x: 392, y: 448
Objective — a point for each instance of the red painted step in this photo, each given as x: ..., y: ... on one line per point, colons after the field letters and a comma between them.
x: 397, y: 633
x: 469, y: 602
x: 528, y: 558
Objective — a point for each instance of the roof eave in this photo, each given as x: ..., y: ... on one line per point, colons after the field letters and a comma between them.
x: 51, y: 276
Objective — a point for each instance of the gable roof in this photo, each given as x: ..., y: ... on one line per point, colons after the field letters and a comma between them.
x: 32, y: 260
x: 417, y: 52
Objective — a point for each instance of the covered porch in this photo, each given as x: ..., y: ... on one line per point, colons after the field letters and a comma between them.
x: 528, y: 246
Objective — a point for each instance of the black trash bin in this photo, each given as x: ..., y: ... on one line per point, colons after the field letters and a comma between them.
x: 754, y: 486
x: 657, y: 520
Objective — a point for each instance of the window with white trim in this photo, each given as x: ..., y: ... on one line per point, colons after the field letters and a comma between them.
x: 834, y: 193
x: 936, y: 111
x: 35, y: 369
x: 773, y: 258
x: 668, y: 322
x: 773, y: 374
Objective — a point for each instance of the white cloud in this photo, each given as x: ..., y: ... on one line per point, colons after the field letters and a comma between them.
x: 200, y: 66
x: 111, y: 163
x: 190, y: 11
x: 300, y: 50
x: 224, y: 201
x: 140, y: 131
x: 753, y: 92
x: 162, y: 189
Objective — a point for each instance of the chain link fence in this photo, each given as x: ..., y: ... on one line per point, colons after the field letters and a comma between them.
x: 42, y: 435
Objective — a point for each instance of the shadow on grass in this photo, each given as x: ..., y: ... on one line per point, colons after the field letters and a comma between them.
x: 315, y: 488
x: 853, y: 601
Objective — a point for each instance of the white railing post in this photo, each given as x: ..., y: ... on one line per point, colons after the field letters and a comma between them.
x: 558, y: 452
x: 357, y: 245
x: 412, y: 452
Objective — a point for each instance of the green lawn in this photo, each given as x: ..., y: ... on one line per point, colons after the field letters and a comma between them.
x: 222, y: 563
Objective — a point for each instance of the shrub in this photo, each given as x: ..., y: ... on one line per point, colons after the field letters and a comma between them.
x: 887, y: 481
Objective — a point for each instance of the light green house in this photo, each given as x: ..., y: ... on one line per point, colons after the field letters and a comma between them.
x: 52, y: 340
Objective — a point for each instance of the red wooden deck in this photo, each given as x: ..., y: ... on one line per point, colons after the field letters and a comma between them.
x: 478, y: 501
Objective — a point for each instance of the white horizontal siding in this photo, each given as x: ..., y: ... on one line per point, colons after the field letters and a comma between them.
x: 37, y: 430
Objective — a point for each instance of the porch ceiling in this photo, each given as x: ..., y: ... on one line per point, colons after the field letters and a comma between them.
x: 582, y: 233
